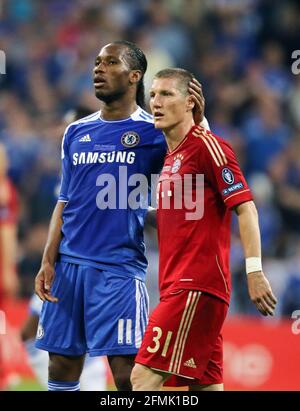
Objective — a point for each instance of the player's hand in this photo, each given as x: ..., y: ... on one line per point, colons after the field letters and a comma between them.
x: 43, y: 283
x: 195, y: 89
x: 261, y: 293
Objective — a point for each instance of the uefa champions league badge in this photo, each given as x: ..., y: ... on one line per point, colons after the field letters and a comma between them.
x: 130, y: 139
x: 40, y: 332
x: 177, y: 163
x: 227, y: 176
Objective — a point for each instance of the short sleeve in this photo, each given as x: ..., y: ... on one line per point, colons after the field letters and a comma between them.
x: 223, y: 171
x: 65, y: 168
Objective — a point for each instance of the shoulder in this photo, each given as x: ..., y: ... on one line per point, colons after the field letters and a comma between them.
x: 144, y: 122
x: 141, y: 115
x: 211, y: 146
x: 90, y: 119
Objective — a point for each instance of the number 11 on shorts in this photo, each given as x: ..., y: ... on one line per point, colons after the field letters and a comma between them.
x: 156, y: 341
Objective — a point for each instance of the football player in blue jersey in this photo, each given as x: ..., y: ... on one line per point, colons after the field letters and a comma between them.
x: 93, y: 268
x: 93, y: 377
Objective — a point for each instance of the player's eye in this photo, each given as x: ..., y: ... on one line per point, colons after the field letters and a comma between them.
x: 111, y: 62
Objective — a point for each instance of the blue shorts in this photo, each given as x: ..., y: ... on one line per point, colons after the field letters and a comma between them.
x: 98, y: 312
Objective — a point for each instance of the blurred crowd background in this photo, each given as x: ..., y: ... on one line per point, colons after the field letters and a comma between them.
x: 240, y: 50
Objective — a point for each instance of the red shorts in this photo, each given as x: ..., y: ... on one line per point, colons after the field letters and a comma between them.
x: 183, y: 338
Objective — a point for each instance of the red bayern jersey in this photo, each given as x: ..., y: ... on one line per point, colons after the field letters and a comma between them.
x: 200, y: 183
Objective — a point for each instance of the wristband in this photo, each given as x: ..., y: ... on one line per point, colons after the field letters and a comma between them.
x: 253, y: 264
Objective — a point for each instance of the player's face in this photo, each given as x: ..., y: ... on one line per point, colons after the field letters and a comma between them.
x: 111, y: 73
x: 168, y: 104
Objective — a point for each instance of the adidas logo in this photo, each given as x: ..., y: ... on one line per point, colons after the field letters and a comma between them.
x: 190, y: 363
x: 85, y: 138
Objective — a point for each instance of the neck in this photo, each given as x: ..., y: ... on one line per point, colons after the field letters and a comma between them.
x: 119, y: 109
x: 175, y: 135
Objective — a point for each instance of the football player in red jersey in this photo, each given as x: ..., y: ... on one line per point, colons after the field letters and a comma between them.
x: 183, y: 341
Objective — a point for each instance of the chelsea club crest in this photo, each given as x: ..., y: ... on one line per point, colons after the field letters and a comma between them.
x: 130, y: 139
x: 40, y: 332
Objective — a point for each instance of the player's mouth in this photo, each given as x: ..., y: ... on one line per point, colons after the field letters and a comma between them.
x: 99, y: 82
x: 158, y: 115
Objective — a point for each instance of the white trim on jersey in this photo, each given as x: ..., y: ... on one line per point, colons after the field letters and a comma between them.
x: 91, y: 117
x: 144, y: 316
x: 129, y: 331
x: 142, y: 115
x: 86, y: 119
x: 121, y: 331
x: 142, y: 311
x: 138, y: 332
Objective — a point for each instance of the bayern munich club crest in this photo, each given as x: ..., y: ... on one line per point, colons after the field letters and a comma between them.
x: 130, y: 139
x: 177, y: 163
x: 227, y: 176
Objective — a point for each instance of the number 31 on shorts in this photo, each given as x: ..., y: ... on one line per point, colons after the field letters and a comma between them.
x: 156, y: 340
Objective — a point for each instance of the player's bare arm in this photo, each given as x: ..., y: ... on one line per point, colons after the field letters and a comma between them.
x: 45, y: 276
x: 258, y: 286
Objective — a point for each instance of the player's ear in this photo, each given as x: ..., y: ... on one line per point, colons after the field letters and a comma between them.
x: 190, y: 103
x: 135, y: 76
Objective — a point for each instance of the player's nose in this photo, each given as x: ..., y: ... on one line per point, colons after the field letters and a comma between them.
x: 157, y: 102
x: 100, y: 68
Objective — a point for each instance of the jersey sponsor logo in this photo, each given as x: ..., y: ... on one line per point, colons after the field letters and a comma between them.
x: 130, y: 139
x: 85, y: 139
x: 190, y: 363
x: 40, y: 332
x: 92, y: 157
x: 227, y: 176
x: 104, y: 147
x: 177, y: 163
x: 233, y: 188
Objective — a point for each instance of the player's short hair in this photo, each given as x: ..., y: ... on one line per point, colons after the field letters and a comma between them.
x: 182, y: 75
x: 137, y: 61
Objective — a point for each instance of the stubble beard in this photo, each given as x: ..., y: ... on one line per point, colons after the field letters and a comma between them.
x: 109, y: 98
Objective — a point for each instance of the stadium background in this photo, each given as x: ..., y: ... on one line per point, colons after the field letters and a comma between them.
x: 241, y: 53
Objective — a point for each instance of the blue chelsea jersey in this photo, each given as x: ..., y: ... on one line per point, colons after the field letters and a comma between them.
x: 107, y: 167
